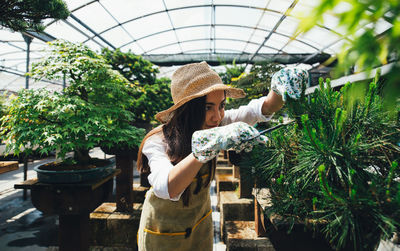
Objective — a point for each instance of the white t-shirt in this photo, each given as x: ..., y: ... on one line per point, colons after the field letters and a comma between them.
x: 155, y: 148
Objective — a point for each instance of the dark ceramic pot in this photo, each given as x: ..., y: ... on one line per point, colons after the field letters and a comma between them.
x: 78, y: 174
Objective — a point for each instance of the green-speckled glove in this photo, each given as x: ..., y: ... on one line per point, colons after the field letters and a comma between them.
x: 290, y: 82
x: 206, y: 144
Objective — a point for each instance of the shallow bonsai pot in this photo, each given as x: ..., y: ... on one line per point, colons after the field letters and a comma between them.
x: 79, y: 174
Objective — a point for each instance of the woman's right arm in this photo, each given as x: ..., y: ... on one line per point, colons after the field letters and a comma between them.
x: 168, y: 181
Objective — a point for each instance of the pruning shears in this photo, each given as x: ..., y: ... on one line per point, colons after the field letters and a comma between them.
x: 270, y: 129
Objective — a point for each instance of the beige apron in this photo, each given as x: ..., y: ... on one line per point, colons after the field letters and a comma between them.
x: 168, y: 225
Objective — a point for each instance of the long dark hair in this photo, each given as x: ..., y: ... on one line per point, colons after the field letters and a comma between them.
x: 179, y: 129
x: 178, y: 133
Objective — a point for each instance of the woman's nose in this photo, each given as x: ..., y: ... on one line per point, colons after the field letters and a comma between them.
x: 217, y: 115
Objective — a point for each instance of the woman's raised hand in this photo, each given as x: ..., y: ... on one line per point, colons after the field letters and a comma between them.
x: 290, y: 82
x: 206, y: 144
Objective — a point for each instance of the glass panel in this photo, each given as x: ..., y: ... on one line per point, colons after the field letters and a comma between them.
x: 253, y: 3
x: 73, y: 4
x: 192, y: 16
x: 148, y: 25
x: 159, y: 40
x: 297, y: 47
x: 171, y: 49
x: 193, y: 33
x: 233, y: 32
x: 316, y: 33
x: 251, y: 48
x: 267, y: 50
x: 171, y: 4
x: 280, y: 5
x: 196, y: 46
x: 95, y: 17
x: 259, y: 36
x: 235, y: 15
x: 230, y: 45
x: 133, y: 47
x: 117, y: 36
x: 276, y: 41
x: 288, y: 26
x: 125, y: 10
x: 269, y: 20
x: 65, y: 31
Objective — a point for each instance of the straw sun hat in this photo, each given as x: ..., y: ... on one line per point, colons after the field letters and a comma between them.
x: 192, y: 81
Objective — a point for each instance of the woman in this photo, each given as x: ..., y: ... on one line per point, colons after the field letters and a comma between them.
x: 180, y: 155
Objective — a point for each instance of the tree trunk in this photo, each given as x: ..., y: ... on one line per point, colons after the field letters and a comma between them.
x: 82, y: 156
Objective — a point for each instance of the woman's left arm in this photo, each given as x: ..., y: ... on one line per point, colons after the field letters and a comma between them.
x: 272, y: 103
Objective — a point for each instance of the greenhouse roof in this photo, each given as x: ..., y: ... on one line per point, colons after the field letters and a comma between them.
x: 174, y: 32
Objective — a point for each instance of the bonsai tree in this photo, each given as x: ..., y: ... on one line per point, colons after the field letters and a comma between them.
x: 336, y: 167
x: 151, y: 95
x: 28, y: 14
x: 90, y: 111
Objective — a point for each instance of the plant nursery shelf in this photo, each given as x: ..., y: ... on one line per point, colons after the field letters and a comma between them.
x: 72, y: 203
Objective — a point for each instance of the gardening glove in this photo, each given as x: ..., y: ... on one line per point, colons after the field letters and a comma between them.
x: 206, y: 144
x: 290, y: 82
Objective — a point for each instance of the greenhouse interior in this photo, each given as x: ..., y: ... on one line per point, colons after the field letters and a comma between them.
x: 200, y: 125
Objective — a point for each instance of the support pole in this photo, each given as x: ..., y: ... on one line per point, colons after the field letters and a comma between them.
x: 28, y: 41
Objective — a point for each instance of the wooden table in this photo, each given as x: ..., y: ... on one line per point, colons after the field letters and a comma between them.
x: 73, y: 204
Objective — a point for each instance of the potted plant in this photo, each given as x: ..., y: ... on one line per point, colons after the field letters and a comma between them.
x: 91, y: 110
x: 335, y: 170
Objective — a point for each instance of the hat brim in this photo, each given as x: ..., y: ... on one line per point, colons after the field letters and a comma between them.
x: 231, y: 92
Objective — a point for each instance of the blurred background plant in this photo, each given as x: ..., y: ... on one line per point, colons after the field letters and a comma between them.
x: 365, y: 47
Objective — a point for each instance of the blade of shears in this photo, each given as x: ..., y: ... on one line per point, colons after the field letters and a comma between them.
x: 270, y: 129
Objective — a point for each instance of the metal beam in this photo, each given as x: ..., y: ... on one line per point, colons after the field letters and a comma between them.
x: 275, y: 28
x: 91, y: 30
x: 216, y: 25
x: 43, y: 36
x: 240, y: 58
x: 202, y: 39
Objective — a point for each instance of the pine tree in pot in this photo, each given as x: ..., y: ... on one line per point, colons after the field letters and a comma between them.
x: 336, y: 170
x: 92, y: 109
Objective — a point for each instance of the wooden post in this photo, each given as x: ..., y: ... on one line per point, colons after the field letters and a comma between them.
x: 124, y: 183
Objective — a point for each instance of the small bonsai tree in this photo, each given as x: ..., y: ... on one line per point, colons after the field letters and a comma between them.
x: 337, y: 166
x: 90, y: 111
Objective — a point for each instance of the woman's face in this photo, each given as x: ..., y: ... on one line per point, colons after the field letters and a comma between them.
x: 215, y: 109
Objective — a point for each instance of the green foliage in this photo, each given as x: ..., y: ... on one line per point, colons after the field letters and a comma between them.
x: 150, y: 94
x: 363, y: 48
x: 233, y: 72
x: 256, y: 84
x: 92, y: 110
x: 24, y: 15
x: 337, y: 165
